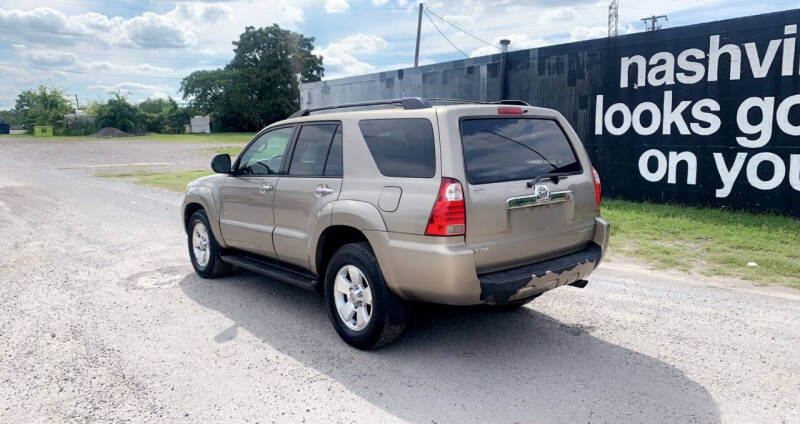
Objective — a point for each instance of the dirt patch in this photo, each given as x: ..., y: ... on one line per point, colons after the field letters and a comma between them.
x: 111, y: 132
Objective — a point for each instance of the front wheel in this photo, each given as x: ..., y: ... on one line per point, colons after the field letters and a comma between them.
x: 204, y: 250
x: 360, y: 306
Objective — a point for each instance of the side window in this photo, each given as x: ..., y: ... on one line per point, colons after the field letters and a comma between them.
x: 333, y: 168
x: 401, y: 147
x: 265, y: 156
x: 311, y: 149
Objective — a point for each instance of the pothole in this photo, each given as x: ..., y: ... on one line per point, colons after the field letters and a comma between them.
x: 156, y: 279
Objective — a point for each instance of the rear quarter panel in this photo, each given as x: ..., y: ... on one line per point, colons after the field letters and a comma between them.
x: 363, y: 180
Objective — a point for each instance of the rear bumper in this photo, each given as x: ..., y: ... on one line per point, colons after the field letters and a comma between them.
x: 529, y: 280
x: 442, y: 269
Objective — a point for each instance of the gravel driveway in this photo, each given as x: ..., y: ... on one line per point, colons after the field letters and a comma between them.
x: 102, y: 319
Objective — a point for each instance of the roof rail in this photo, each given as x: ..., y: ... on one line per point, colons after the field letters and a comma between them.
x: 499, y: 102
x: 406, y: 102
x: 509, y: 102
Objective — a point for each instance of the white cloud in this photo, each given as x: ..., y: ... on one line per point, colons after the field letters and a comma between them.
x: 518, y: 42
x: 587, y: 33
x: 155, y: 31
x: 48, y: 58
x: 559, y: 14
x: 177, y: 28
x: 137, y: 91
x: 336, y: 6
x: 42, y: 18
x: 339, y: 57
x: 379, y: 2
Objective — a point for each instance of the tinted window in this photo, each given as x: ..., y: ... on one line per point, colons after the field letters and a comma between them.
x: 311, y: 149
x: 514, y: 149
x: 333, y: 167
x: 265, y: 155
x: 401, y: 147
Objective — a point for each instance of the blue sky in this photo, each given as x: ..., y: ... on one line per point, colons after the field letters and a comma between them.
x: 144, y: 48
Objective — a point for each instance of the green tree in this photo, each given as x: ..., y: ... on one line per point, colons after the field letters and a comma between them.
x: 260, y: 85
x: 43, y: 106
x: 155, y: 106
x: 164, y: 115
x: 10, y: 117
x: 118, y: 113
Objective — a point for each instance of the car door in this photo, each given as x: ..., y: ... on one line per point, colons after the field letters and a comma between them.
x: 248, y: 196
x: 314, y: 179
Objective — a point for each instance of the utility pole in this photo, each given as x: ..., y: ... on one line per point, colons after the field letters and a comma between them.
x: 653, y: 22
x: 613, y: 18
x: 77, y: 106
x: 419, y: 28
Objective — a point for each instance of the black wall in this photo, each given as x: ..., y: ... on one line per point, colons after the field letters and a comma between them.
x: 571, y: 78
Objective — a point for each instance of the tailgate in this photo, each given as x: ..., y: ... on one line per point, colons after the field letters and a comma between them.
x: 513, y: 219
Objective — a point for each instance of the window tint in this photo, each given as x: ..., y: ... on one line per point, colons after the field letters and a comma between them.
x: 333, y: 168
x: 311, y: 149
x: 401, y: 147
x: 265, y: 156
x: 514, y: 149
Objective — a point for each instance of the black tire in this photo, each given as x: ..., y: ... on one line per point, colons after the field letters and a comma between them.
x: 215, y: 266
x: 389, y: 313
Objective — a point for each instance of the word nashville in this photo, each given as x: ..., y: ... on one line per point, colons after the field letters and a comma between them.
x: 755, y: 115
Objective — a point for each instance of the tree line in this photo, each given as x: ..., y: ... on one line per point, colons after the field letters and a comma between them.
x: 259, y: 86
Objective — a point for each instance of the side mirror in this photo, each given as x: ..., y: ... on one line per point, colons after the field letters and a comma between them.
x: 221, y: 163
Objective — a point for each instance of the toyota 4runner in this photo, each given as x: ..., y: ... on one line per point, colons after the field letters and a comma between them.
x: 461, y: 204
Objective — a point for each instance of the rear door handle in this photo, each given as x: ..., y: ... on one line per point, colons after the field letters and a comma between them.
x: 323, y: 190
x: 267, y: 187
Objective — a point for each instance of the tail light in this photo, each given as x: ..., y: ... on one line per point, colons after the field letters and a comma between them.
x: 505, y: 110
x: 449, y: 216
x: 597, y: 196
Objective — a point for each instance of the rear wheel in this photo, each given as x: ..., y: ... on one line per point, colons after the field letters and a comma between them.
x: 360, y: 306
x: 204, y: 250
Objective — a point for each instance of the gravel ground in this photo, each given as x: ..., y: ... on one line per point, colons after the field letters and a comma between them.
x: 102, y: 319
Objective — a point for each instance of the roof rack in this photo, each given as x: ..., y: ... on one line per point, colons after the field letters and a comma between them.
x: 499, y: 102
x: 406, y: 102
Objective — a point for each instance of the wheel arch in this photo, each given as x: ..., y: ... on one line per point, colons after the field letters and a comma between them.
x: 331, y: 239
x: 200, y: 198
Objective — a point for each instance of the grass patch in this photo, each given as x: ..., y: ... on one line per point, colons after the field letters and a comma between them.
x: 229, y: 138
x: 231, y: 150
x: 216, y: 138
x: 174, y: 181
x: 708, y: 241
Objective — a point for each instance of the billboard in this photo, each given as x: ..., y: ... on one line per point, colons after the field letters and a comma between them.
x: 706, y: 114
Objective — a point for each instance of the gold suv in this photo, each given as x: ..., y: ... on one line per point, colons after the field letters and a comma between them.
x: 461, y: 203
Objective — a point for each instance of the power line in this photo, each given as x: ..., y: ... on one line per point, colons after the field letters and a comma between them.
x: 12, y: 28
x: 72, y: 71
x: 428, y: 10
x: 442, y: 34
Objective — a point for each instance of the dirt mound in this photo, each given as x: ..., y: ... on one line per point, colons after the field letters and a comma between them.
x: 111, y: 132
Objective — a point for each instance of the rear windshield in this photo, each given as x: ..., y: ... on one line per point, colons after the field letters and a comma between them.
x: 502, y: 149
x: 401, y: 147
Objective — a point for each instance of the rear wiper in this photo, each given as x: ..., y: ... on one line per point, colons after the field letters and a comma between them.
x: 555, y: 176
x: 525, y: 146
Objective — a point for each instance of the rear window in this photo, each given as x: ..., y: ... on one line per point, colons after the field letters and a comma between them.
x: 501, y: 149
x: 401, y: 147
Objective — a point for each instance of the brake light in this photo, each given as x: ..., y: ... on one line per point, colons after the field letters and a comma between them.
x: 505, y: 110
x: 597, y: 196
x: 448, y: 217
